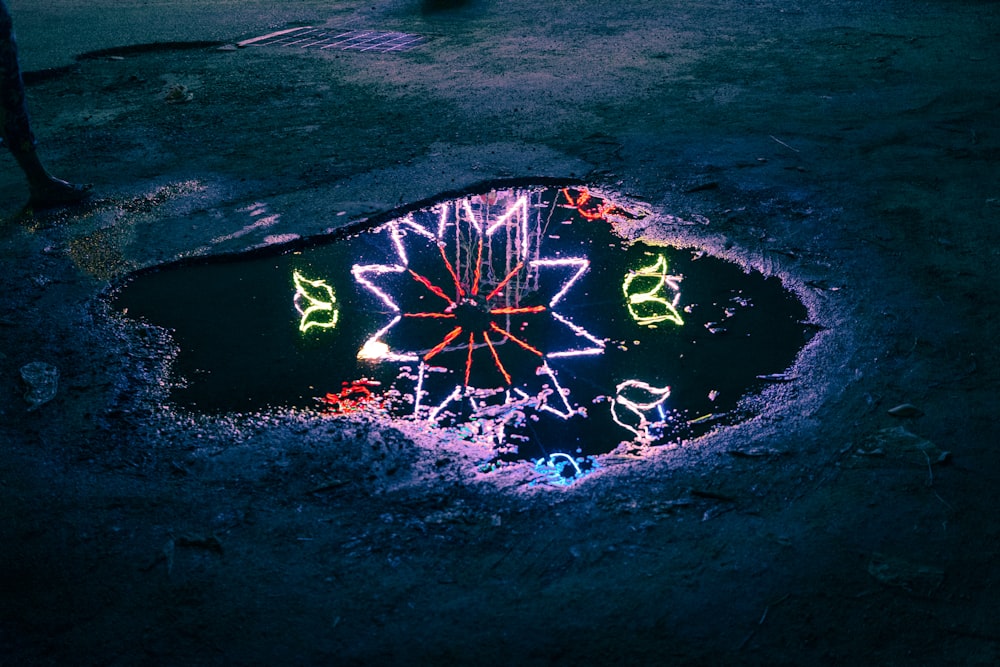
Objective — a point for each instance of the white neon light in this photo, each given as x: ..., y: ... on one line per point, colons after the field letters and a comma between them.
x: 443, y: 219
x: 397, y: 239
x: 551, y: 461
x: 419, y: 393
x: 376, y: 350
x: 579, y: 331
x: 519, y: 209
x: 360, y: 272
x: 559, y: 391
x: 579, y: 262
x: 454, y: 395
x: 418, y: 228
x: 467, y: 205
x: 657, y: 396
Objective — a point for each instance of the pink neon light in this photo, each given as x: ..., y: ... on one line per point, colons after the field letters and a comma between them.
x: 581, y: 264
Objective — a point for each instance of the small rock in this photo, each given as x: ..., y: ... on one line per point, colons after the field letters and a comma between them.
x: 906, y: 410
x: 43, y: 382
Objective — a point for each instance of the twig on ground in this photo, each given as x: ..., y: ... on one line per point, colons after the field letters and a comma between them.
x: 783, y: 143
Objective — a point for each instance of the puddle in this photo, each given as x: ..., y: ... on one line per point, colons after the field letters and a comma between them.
x: 519, y: 319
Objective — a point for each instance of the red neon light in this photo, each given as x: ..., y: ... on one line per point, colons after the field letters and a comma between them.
x: 496, y: 358
x: 353, y: 397
x: 436, y: 315
x: 477, y: 274
x: 450, y: 336
x: 429, y: 285
x: 517, y: 311
x: 503, y: 283
x: 515, y: 339
x: 451, y: 270
x: 468, y: 359
x: 590, y: 213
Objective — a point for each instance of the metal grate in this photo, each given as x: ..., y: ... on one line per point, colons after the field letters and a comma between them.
x: 308, y: 37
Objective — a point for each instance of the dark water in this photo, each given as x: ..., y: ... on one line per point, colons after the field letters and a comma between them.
x: 518, y: 318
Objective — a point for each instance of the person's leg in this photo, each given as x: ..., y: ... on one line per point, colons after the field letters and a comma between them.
x: 15, y: 128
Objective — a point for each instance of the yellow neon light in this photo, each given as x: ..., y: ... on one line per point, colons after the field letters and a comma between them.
x: 647, y: 304
x: 315, y: 303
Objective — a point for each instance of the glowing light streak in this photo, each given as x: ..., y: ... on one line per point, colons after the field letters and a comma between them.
x: 375, y: 350
x: 431, y: 315
x: 657, y: 396
x: 581, y: 264
x: 517, y: 311
x: 651, y: 299
x: 470, y: 216
x: 454, y: 395
x: 602, y: 210
x: 559, y: 391
x: 315, y: 302
x: 468, y: 359
x: 520, y: 209
x: 507, y: 279
x: 477, y: 274
x: 569, y: 458
x: 353, y: 397
x: 514, y: 339
x: 579, y: 331
x: 418, y: 393
x: 434, y: 289
x: 450, y: 336
x: 397, y: 239
x: 443, y: 219
x: 418, y: 228
x: 589, y: 352
x: 451, y: 270
x: 360, y: 273
x: 496, y: 358
x: 562, y: 469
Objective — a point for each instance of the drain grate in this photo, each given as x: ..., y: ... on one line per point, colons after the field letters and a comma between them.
x: 307, y: 37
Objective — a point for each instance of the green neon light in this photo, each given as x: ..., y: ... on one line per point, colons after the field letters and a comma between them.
x: 644, y: 294
x: 315, y: 302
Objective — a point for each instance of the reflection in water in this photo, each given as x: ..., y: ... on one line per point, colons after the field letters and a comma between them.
x: 315, y: 303
x: 517, y: 319
x: 645, y: 292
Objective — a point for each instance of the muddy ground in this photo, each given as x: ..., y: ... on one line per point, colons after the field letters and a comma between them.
x: 851, y: 148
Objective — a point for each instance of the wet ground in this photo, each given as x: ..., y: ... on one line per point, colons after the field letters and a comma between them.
x: 848, y: 150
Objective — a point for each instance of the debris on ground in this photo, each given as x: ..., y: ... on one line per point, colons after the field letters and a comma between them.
x: 42, y: 380
x: 913, y: 578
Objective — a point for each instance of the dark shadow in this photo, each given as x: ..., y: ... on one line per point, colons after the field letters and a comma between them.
x: 434, y: 6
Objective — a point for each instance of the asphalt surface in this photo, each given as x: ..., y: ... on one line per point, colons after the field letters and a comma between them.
x: 849, y: 149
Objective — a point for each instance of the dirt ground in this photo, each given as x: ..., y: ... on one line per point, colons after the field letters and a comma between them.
x: 851, y: 148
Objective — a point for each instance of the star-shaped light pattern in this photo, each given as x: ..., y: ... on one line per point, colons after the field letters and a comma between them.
x: 474, y: 273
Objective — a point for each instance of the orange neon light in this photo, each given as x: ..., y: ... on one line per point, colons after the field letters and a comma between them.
x: 514, y: 339
x: 429, y: 285
x: 468, y: 359
x: 451, y: 270
x: 450, y: 336
x: 517, y: 311
x: 496, y: 358
x: 503, y: 283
